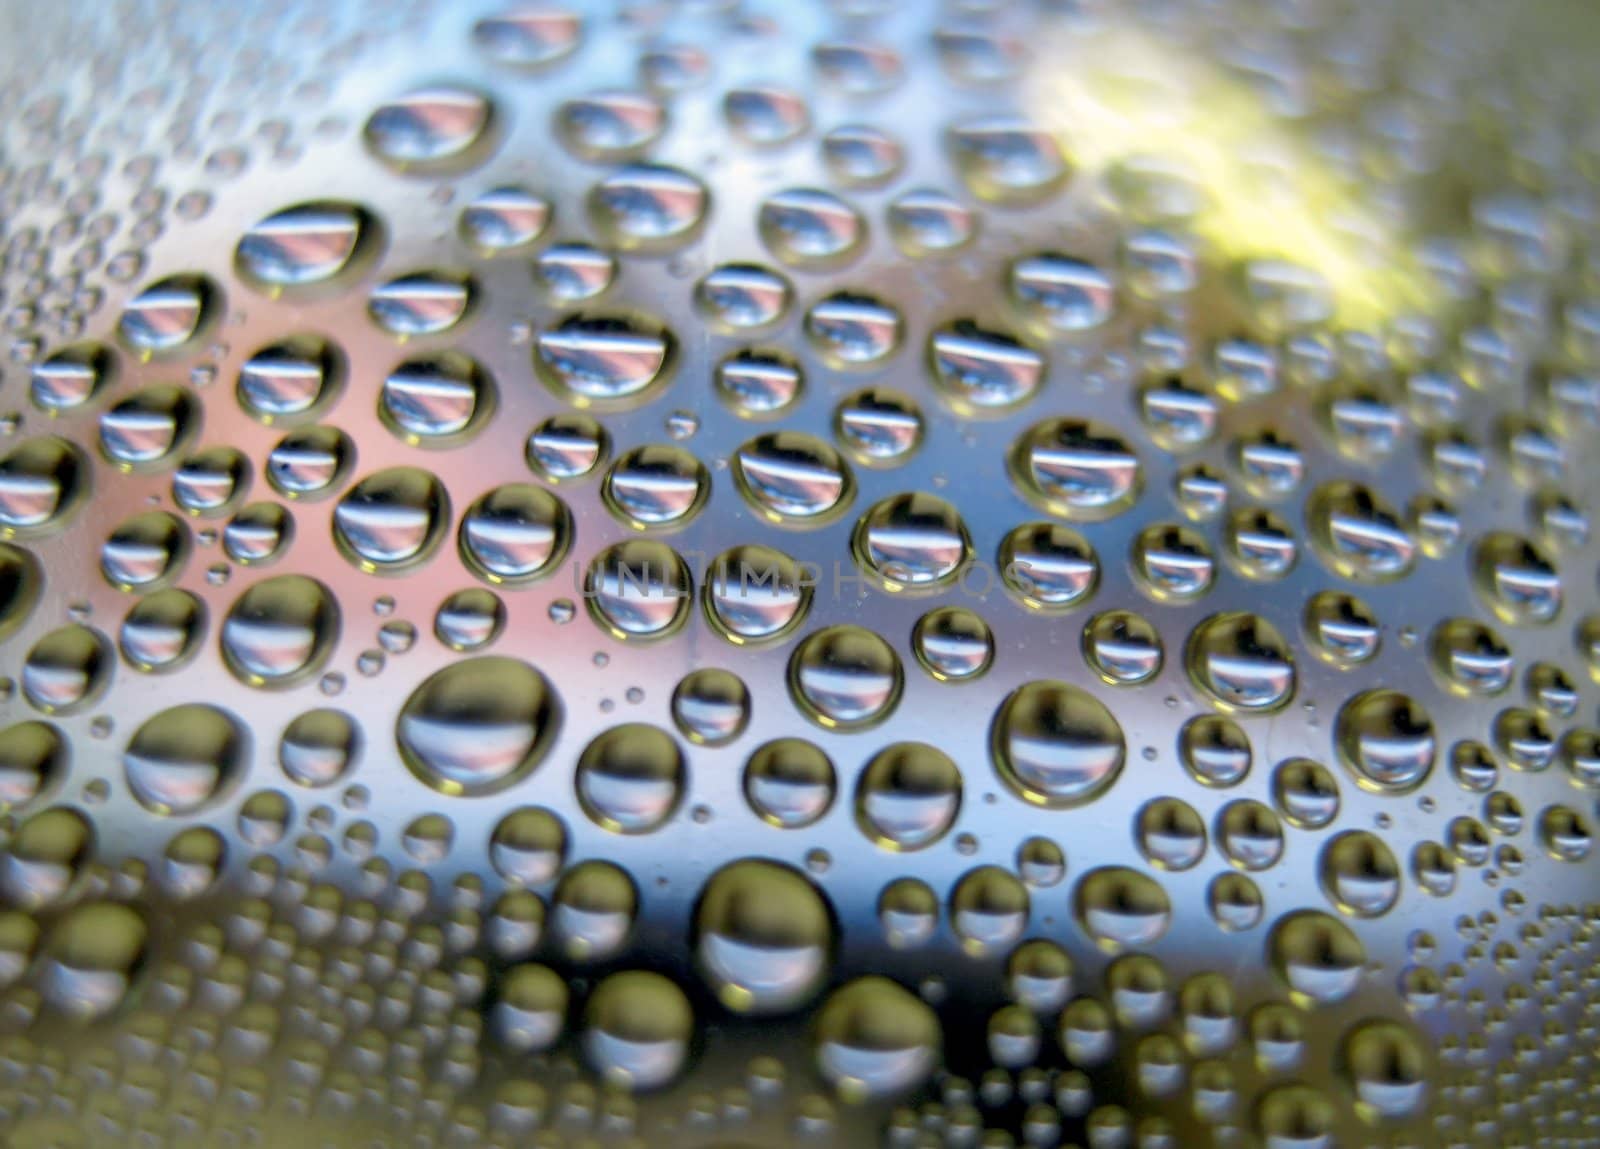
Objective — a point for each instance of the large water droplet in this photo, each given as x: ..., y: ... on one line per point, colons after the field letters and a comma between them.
x: 639, y: 589
x: 789, y: 783
x: 1056, y: 745
x: 649, y: 208
x: 637, y: 1027
x: 299, y: 246
x: 631, y: 778
x: 1242, y: 661
x: 182, y: 759
x: 1387, y: 740
x: 908, y: 796
x: 612, y: 361
x: 763, y: 936
x: 515, y: 533
x: 478, y: 726
x: 428, y: 127
x: 280, y: 631
x: 392, y: 519
x: 845, y: 678
x: 874, y: 1038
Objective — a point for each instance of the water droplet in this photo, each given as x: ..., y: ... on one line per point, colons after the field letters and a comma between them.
x: 759, y: 384
x: 1306, y: 792
x: 852, y: 331
x: 528, y: 35
x: 1170, y: 834
x: 71, y: 377
x: 515, y: 533
x: 1565, y: 833
x: 1007, y: 160
x: 259, y: 533
x: 607, y: 361
x: 300, y: 246
x: 878, y: 427
x: 66, y: 670
x: 1242, y: 661
x: 288, y: 381
x: 91, y: 958
x: 1387, y: 740
x: 168, y: 314
x: 392, y: 519
x: 146, y: 428
x: 532, y: 1011
x: 1076, y: 469
x: 1342, y: 628
x: 988, y: 910
x: 1516, y: 579
x: 1057, y: 745
x: 1173, y: 562
x: 912, y: 541
x: 319, y: 747
x: 1124, y: 648
x: 953, y: 644
x: 763, y: 937
x: 1215, y: 750
x: 845, y: 678
x: 182, y: 759
x: 1049, y: 567
x: 711, y: 707
x: 210, y: 482
x: 861, y: 155
x: 566, y: 447
x: 656, y: 486
x: 1388, y: 1068
x: 1316, y: 956
x: 280, y: 631
x: 648, y: 208
x: 478, y: 726
x: 1357, y: 535
x: 1121, y: 909
x: 637, y: 1027
x: 1261, y: 544
x: 857, y: 68
x: 983, y: 371
x: 574, y: 272
x: 610, y: 125
x: 528, y: 845
x: 792, y: 477
x: 928, y: 222
x: 789, y: 783
x: 504, y: 218
x: 765, y: 116
x: 422, y: 303
x: 874, y: 1038
x: 808, y: 227
x: 908, y: 796
x: 673, y: 68
x: 45, y: 857
x: 1250, y: 835
x: 756, y: 594
x: 1235, y: 903
x: 639, y: 589
x: 33, y: 760
x: 436, y: 400
x: 631, y: 778
x: 1471, y: 657
x: 1061, y: 295
x: 429, y: 127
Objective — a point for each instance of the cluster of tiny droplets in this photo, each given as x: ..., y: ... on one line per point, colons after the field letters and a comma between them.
x: 705, y: 573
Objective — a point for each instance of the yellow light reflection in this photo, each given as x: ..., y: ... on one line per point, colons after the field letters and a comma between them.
x: 1146, y: 114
